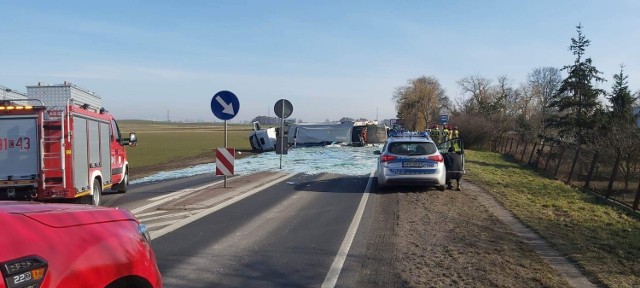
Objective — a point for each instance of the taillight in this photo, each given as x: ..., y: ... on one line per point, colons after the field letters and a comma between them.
x: 387, y: 158
x: 437, y: 158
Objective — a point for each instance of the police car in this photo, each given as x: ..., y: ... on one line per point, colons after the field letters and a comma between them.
x: 411, y: 158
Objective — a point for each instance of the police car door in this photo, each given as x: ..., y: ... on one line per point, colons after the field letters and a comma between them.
x: 458, y: 147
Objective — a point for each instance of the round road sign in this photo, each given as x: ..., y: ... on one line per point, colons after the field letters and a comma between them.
x: 283, y: 108
x: 225, y: 105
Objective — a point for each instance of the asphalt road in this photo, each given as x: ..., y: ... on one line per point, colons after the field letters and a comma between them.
x: 264, y: 230
x: 138, y: 193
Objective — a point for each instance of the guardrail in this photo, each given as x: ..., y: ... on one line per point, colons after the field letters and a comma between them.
x: 610, y: 174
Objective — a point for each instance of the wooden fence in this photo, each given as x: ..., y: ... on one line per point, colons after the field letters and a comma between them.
x: 613, y: 175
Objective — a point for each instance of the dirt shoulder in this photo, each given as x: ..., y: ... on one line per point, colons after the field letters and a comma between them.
x: 450, y: 239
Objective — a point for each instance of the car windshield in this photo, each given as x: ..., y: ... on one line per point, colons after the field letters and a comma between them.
x: 412, y: 148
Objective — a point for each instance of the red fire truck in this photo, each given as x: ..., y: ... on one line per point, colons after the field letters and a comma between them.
x: 57, y: 143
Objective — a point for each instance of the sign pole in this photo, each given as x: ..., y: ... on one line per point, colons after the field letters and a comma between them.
x: 225, y: 146
x: 225, y: 106
x: 281, y: 136
x: 283, y: 109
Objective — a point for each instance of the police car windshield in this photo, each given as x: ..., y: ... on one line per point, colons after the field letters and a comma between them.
x: 412, y: 148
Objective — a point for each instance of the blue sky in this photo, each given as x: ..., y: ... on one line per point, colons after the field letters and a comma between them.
x: 330, y: 59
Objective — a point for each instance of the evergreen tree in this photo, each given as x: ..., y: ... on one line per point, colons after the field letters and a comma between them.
x: 621, y: 99
x: 576, y: 101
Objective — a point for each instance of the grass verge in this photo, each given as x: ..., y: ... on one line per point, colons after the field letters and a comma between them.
x: 163, y: 142
x: 603, y: 240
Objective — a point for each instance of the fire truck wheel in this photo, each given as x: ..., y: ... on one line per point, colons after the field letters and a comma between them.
x: 125, y: 183
x: 97, y: 193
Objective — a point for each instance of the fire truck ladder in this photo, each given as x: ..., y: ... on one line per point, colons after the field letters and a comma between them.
x: 54, y: 118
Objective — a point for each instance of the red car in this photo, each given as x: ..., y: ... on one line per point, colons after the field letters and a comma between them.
x: 70, y: 245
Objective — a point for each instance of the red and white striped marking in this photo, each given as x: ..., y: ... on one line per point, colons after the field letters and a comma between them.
x: 224, y: 161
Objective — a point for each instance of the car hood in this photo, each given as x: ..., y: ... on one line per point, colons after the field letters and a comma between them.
x: 65, y: 215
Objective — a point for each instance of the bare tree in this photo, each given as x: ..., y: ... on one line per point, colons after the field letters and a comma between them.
x: 528, y: 103
x: 446, y: 106
x: 620, y: 140
x: 496, y: 105
x: 479, y: 89
x: 527, y: 112
x: 430, y: 95
x: 544, y: 82
x: 419, y: 103
x: 405, y: 107
x: 507, y: 98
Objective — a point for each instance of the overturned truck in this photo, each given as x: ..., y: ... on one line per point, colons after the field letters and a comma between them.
x: 359, y: 133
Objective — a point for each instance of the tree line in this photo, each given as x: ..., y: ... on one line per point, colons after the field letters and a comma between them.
x: 546, y: 107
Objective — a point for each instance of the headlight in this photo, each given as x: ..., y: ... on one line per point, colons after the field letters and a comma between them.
x: 26, y: 272
x: 144, y: 231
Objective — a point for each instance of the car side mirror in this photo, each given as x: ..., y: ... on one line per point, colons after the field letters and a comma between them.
x: 377, y: 152
x: 132, y: 140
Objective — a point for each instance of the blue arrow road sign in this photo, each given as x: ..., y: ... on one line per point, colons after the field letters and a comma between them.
x: 225, y: 105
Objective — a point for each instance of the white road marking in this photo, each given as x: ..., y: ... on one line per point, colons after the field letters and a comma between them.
x: 165, y: 223
x: 157, y: 198
x: 149, y: 214
x: 169, y: 215
x: 338, y: 262
x: 182, y: 191
x: 174, y: 195
x: 159, y: 233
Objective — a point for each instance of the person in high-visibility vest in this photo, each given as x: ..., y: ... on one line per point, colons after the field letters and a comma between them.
x: 456, y: 146
x: 445, y: 133
x: 435, y: 133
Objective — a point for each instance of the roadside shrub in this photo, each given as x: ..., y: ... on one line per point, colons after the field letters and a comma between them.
x: 475, y: 131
